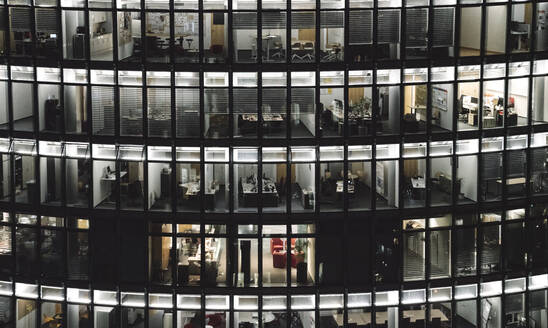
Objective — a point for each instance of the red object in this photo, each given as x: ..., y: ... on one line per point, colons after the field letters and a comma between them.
x: 216, y: 320
x: 279, y: 257
x: 275, y: 242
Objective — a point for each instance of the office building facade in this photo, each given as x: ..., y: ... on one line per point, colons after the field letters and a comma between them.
x: 296, y: 164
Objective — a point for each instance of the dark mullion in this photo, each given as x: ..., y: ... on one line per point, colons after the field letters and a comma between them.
x: 231, y: 181
x: 118, y: 165
x: 346, y: 197
x: 171, y: 49
x: 317, y: 128
x: 144, y: 104
x: 506, y: 154
x: 401, y: 160
x: 200, y: 35
x: 7, y: 37
x: 288, y: 181
x: 528, y: 151
x: 317, y: 185
x: 202, y: 182
x: 230, y: 36
x: 428, y: 173
x: 202, y: 95
x: 482, y: 197
x: 259, y: 91
x: 259, y: 239
x: 375, y: 116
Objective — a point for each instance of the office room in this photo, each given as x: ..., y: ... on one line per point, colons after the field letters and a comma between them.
x: 387, y: 176
x: 159, y: 181
x: 388, y: 106
x: 273, y: 184
x: 497, y: 112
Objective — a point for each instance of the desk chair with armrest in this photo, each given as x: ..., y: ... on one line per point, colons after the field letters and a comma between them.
x: 308, y: 47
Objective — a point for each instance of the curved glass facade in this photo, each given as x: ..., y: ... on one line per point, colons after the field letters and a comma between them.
x: 295, y: 164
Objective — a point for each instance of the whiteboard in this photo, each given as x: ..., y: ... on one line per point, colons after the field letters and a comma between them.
x: 439, y: 98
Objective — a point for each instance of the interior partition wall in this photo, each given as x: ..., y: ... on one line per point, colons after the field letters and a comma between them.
x: 261, y: 163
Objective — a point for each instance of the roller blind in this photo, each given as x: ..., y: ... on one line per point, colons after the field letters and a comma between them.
x: 360, y: 27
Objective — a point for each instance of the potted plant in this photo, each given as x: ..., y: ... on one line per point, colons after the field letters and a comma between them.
x: 301, y: 245
x: 360, y: 109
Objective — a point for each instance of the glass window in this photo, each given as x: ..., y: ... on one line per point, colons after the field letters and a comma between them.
x: 215, y: 43
x: 332, y: 36
x: 495, y: 38
x: 303, y: 36
x: 187, y: 106
x: 244, y: 36
x: 466, y: 314
x: 188, y: 187
x: 26, y: 312
x: 273, y: 34
x: 216, y: 113
x: 440, y: 253
x: 131, y: 111
x: 470, y: 31
x: 490, y: 239
x: 186, y: 45
x: 160, y: 270
x: 274, y: 107
x: 100, y: 35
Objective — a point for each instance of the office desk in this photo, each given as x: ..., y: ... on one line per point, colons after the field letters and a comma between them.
x: 519, y: 35
x: 112, y: 176
x: 192, y: 194
x: 249, y: 122
x: 418, y: 183
x: 340, y: 187
x: 514, y: 185
x: 266, y: 117
x: 269, y: 195
x: 361, y: 318
x: 419, y: 188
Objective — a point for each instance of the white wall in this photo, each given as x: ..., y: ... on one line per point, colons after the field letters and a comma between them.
x: 27, y: 321
x: 336, y: 93
x: 207, y: 31
x: 518, y: 89
x: 101, y: 188
x: 467, y: 171
x: 394, y: 108
x: 391, y: 181
x: 304, y: 175
x: 245, y: 39
x: 154, y: 181
x: 468, y: 310
x: 496, y: 29
x: 307, y: 318
x: 22, y: 100
x: 470, y: 22
x: 494, y: 314
x: 540, y: 97
x: 442, y: 165
x: 6, y: 165
x: 446, y: 117
x: 3, y: 102
x: 28, y: 169
x: 70, y: 19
